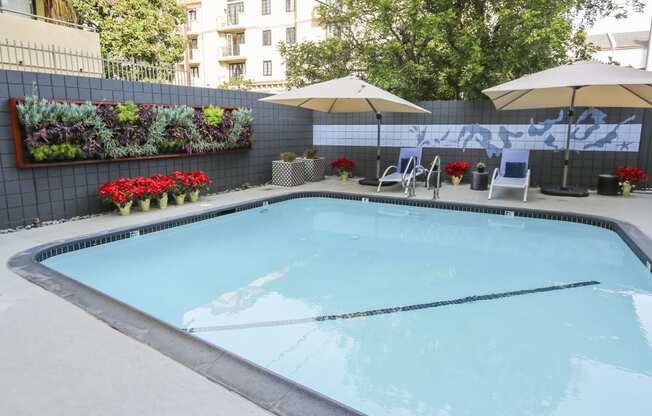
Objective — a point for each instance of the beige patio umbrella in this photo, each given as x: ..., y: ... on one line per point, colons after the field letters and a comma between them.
x: 583, y: 84
x: 348, y: 95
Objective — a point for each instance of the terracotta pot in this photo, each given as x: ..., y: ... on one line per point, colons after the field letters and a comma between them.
x: 163, y: 201
x: 193, y: 196
x: 125, y: 209
x: 456, y: 180
x: 180, y: 199
x: 144, y: 204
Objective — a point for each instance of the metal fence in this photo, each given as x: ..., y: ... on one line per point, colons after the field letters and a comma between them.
x: 24, y: 56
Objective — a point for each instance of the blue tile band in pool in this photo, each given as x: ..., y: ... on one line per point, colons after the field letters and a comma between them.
x: 437, y: 304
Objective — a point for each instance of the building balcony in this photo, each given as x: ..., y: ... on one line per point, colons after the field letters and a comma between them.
x: 194, y: 56
x: 232, y: 54
x: 192, y: 28
x: 231, y: 23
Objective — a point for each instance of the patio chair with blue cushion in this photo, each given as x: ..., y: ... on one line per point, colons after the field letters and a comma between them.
x: 513, y: 172
x: 407, y: 169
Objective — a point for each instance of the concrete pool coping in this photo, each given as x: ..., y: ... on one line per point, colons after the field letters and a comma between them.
x: 268, y: 390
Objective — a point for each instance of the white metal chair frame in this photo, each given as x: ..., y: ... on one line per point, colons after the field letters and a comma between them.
x: 409, y: 177
x: 525, y: 186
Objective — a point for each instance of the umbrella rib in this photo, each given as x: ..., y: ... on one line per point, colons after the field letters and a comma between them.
x: 515, y: 99
x: 303, y: 102
x: 371, y: 105
x: 332, y: 105
x: 635, y: 94
x: 502, y: 95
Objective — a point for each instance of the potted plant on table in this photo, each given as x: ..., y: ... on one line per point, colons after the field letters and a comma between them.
x: 288, y: 171
x: 314, y: 166
x: 343, y: 167
x: 480, y: 167
x: 120, y: 193
x: 198, y: 182
x: 456, y: 171
x: 629, y: 176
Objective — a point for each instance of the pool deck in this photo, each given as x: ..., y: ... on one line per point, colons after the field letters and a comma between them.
x: 56, y: 359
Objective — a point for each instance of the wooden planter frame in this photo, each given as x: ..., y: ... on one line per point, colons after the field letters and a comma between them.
x: 22, y: 162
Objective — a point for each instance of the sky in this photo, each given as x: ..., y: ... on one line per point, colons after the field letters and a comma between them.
x: 633, y: 23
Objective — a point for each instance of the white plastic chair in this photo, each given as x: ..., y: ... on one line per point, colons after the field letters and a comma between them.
x: 406, y: 170
x: 499, y: 179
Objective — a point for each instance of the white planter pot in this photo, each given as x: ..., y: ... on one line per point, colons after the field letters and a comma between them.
x: 288, y: 173
x: 314, y: 169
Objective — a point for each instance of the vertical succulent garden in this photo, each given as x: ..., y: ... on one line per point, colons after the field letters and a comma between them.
x: 63, y: 131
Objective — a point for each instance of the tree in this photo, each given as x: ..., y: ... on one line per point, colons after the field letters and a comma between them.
x: 237, y: 83
x: 445, y: 49
x: 141, y: 30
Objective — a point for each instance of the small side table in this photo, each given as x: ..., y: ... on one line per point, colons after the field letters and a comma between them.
x: 608, y: 184
x: 479, y: 180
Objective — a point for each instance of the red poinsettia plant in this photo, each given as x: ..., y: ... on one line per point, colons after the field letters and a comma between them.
x: 631, y: 174
x: 457, y: 168
x: 164, y: 183
x: 119, y: 192
x: 198, y: 181
x: 343, y: 164
x: 145, y: 188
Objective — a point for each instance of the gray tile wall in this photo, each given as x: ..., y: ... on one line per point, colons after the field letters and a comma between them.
x: 546, y: 166
x: 51, y: 193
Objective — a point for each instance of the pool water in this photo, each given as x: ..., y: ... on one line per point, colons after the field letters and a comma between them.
x: 243, y: 279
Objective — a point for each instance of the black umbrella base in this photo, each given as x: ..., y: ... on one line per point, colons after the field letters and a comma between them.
x: 374, y: 182
x: 557, y: 190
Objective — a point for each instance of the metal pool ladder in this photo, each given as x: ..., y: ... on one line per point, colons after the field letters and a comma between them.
x: 435, y: 168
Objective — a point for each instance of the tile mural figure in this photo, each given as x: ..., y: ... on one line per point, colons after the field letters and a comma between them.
x: 590, y: 132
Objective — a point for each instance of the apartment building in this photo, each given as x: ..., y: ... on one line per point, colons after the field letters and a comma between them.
x: 625, y: 48
x: 238, y: 39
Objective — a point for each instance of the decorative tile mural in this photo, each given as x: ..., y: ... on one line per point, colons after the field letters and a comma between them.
x: 590, y: 132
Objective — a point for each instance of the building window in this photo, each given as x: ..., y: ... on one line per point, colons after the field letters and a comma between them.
x: 192, y: 15
x: 266, y: 7
x: 236, y: 71
x: 290, y: 35
x: 290, y: 5
x: 233, y: 12
x: 267, y: 37
x: 267, y: 68
x: 193, y: 43
x: 194, y: 71
x: 333, y: 30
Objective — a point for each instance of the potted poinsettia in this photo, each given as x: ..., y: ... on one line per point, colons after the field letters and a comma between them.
x: 288, y: 171
x: 163, y: 185
x: 456, y: 171
x: 144, y: 190
x: 314, y: 166
x: 198, y: 182
x: 180, y: 187
x: 120, y: 193
x: 629, y: 176
x: 343, y: 167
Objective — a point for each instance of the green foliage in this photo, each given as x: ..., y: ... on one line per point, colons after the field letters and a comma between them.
x: 310, y: 153
x: 143, y: 30
x: 53, y: 152
x: 213, y: 115
x: 172, y: 129
x: 127, y: 112
x: 288, y: 156
x: 442, y: 49
x: 237, y: 83
x: 480, y: 165
x: 242, y: 119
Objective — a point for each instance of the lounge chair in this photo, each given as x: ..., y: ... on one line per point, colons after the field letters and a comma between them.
x: 406, y: 170
x: 513, y: 173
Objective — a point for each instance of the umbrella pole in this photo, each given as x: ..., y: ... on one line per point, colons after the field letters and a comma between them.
x: 564, y: 177
x: 379, y: 118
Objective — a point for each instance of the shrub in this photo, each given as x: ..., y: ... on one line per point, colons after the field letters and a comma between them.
x: 51, y: 152
x: 127, y: 112
x: 213, y: 115
x: 288, y: 156
x: 310, y: 153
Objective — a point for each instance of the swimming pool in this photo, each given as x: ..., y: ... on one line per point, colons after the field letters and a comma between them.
x: 398, y: 310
